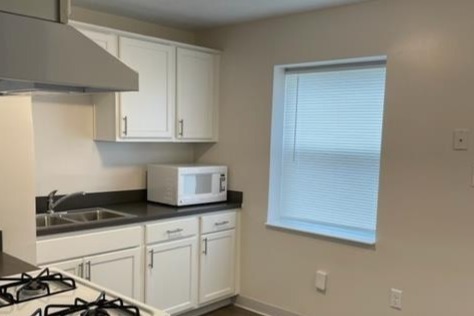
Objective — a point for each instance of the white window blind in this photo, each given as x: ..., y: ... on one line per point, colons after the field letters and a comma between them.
x: 330, y: 150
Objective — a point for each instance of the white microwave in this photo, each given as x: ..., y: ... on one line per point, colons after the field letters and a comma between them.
x: 181, y: 185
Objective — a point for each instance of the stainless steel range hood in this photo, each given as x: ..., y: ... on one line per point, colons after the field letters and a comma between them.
x: 41, y: 53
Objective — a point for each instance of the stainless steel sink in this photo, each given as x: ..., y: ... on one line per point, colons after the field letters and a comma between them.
x: 46, y: 220
x: 78, y: 217
x: 94, y: 214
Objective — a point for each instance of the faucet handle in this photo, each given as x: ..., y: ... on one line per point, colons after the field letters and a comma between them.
x: 51, y: 200
x: 52, y: 193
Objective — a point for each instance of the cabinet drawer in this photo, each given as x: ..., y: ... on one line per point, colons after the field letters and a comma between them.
x: 86, y: 244
x: 171, y: 230
x: 217, y: 222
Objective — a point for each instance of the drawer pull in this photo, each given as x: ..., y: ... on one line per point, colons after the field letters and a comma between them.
x: 221, y: 223
x: 175, y: 231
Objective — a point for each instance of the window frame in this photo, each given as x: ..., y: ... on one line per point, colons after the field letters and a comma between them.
x: 274, y: 218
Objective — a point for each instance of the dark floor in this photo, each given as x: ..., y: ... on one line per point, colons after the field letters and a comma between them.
x: 231, y: 311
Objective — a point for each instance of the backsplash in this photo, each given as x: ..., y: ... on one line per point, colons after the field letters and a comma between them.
x: 107, y: 198
x: 68, y: 159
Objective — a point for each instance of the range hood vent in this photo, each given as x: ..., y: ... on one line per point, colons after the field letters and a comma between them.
x: 41, y: 55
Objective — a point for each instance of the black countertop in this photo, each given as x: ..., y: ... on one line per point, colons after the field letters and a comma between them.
x: 10, y: 265
x: 143, y: 211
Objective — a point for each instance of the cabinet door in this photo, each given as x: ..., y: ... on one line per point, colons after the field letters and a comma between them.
x: 74, y: 267
x: 217, y: 275
x: 197, y: 95
x: 107, y: 41
x: 148, y: 113
x: 119, y: 271
x: 171, y: 279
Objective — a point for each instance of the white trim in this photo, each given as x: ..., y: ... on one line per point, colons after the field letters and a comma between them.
x: 208, y: 308
x: 274, y: 216
x: 335, y: 62
x: 261, y: 308
x: 347, y: 234
x: 250, y: 310
x: 104, y: 29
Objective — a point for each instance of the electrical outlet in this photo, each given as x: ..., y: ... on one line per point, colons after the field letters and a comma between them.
x: 396, y: 299
x: 461, y: 139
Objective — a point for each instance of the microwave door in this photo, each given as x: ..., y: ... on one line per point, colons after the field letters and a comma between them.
x: 197, y: 184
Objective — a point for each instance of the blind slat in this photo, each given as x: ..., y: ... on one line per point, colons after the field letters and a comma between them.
x: 332, y: 133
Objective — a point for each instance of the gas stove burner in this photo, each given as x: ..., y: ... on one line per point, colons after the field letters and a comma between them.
x: 33, y: 289
x: 59, y: 293
x: 27, y: 287
x: 100, y: 307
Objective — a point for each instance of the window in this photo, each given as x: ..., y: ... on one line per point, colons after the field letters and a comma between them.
x: 326, y: 146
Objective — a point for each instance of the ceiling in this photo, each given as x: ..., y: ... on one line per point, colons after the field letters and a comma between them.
x: 195, y: 14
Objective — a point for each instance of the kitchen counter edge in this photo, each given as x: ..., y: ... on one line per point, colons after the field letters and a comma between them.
x: 142, y: 212
x: 10, y: 265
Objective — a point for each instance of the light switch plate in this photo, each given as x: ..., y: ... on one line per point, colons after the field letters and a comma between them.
x: 396, y: 298
x: 321, y: 281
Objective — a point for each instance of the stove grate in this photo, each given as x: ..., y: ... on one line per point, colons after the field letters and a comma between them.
x: 99, y: 307
x: 38, y: 312
x: 6, y: 299
x: 28, y: 288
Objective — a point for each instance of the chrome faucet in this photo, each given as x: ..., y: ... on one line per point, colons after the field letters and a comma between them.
x: 52, y: 204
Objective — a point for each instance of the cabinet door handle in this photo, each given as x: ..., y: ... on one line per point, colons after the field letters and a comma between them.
x: 221, y: 223
x: 205, y: 246
x: 88, y: 265
x: 175, y: 231
x: 181, y: 128
x: 81, y: 270
x: 151, y: 264
x: 125, y: 125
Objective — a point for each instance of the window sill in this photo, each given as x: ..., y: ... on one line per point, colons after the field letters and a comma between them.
x: 347, y: 234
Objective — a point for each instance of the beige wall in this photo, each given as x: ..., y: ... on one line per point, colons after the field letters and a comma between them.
x: 68, y: 159
x: 426, y: 211
x: 17, y: 188
x: 132, y: 25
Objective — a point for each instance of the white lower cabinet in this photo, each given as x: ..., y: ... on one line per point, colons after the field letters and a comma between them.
x: 172, y: 264
x: 119, y: 271
x: 111, y: 258
x: 217, y: 266
x: 175, y: 265
x: 171, y: 278
x: 74, y: 267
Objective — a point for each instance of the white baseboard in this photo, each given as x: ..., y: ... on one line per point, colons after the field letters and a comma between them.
x: 261, y: 307
x: 209, y: 308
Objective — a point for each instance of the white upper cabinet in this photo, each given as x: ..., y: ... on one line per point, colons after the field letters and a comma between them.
x: 197, y: 95
x: 148, y: 113
x: 107, y: 41
x: 177, y: 99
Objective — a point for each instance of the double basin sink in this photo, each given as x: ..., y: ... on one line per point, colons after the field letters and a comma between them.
x: 77, y: 217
